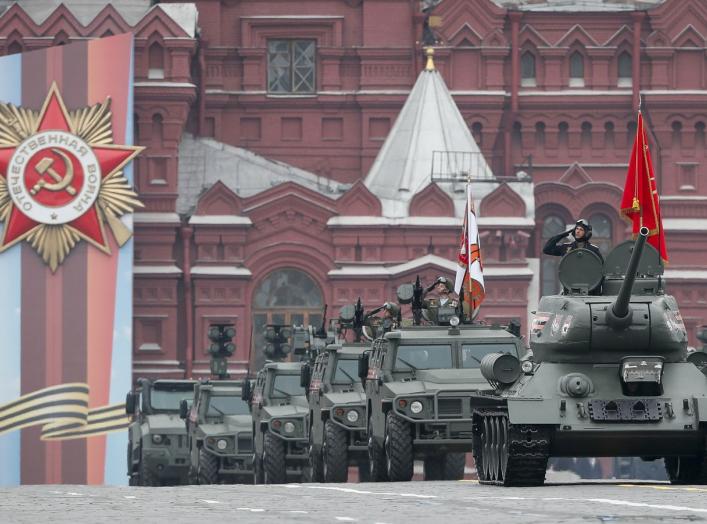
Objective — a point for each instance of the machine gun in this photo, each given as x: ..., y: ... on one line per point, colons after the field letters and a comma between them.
x: 308, y: 341
x: 417, y: 303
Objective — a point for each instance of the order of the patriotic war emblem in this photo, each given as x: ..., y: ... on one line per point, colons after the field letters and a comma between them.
x: 61, y: 178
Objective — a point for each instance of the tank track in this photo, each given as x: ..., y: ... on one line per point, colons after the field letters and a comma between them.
x: 509, y: 454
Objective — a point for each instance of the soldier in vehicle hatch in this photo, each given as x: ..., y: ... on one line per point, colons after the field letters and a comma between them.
x: 439, y: 295
x: 582, y: 232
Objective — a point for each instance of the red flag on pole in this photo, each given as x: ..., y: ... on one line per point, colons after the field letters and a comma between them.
x: 470, y: 273
x: 640, y: 202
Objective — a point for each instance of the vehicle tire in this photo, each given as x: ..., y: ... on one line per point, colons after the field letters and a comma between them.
x: 398, y: 449
x: 258, y: 475
x: 131, y: 473
x: 454, y: 464
x: 315, y: 461
x: 208, y: 468
x: 433, y: 467
x: 376, y: 457
x: 145, y: 477
x: 364, y: 471
x: 683, y: 470
x: 274, y: 462
x: 335, y: 456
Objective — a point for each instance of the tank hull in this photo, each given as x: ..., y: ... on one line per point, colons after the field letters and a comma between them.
x: 672, y: 423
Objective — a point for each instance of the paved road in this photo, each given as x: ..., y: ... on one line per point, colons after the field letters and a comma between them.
x: 412, y: 502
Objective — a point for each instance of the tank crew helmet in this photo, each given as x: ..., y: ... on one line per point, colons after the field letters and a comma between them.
x: 392, y: 308
x: 444, y: 280
x: 584, y: 224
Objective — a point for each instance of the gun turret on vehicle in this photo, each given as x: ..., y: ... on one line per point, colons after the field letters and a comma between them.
x: 608, y: 376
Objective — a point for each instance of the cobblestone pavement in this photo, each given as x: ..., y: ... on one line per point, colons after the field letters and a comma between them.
x: 390, y: 503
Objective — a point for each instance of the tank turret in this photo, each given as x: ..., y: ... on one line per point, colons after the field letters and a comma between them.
x: 609, y: 310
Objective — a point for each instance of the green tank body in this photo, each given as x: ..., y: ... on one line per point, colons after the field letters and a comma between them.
x: 608, y: 374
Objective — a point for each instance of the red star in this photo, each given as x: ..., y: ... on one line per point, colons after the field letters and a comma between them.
x: 89, y: 226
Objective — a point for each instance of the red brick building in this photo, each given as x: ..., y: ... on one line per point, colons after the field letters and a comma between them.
x: 263, y: 118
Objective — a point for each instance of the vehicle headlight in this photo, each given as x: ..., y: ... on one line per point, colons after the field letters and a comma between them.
x: 526, y: 366
x: 454, y: 321
x: 289, y: 427
x: 157, y: 439
x: 352, y: 416
x: 222, y: 444
x: 416, y: 407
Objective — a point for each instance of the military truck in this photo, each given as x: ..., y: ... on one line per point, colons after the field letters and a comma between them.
x: 279, y: 422
x: 418, y: 382
x: 609, y: 376
x: 220, y: 436
x: 157, y: 439
x: 337, y: 407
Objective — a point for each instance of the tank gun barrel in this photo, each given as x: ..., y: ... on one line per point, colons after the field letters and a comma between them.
x: 620, y: 310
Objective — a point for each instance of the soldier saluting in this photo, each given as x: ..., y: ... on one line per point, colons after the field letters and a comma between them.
x: 582, y: 232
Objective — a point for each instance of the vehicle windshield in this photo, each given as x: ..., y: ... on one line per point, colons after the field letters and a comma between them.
x: 220, y: 405
x: 473, y: 353
x: 166, y: 400
x: 346, y: 371
x: 286, y: 386
x: 423, y: 357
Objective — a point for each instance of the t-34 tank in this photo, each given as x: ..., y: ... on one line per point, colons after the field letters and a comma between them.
x: 608, y: 375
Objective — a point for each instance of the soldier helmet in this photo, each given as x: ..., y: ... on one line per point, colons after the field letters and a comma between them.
x: 444, y: 280
x: 391, y: 308
x: 584, y: 224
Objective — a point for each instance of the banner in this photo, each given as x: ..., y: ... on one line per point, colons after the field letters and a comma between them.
x: 66, y: 204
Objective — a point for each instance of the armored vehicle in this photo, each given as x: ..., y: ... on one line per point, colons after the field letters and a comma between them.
x: 280, y: 425
x: 157, y: 439
x: 418, y: 382
x: 337, y: 406
x: 608, y: 376
x: 220, y: 433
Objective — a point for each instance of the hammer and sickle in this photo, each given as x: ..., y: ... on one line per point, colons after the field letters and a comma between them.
x: 61, y: 183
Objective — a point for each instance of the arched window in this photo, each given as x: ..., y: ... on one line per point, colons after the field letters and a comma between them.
x: 625, y: 70
x: 527, y: 70
x: 517, y: 136
x: 477, y: 129
x: 155, y: 59
x: 677, y: 134
x: 586, y: 134
x: 539, y: 134
x: 157, y: 130
x: 609, y: 135
x: 550, y: 285
x: 563, y: 131
x: 700, y: 134
x: 576, y: 69
x: 602, y: 232
x: 286, y: 297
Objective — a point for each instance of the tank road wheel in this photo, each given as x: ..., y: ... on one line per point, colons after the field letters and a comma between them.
x: 376, y: 457
x: 398, y: 448
x: 511, y: 455
x: 208, y: 468
x: 453, y: 464
x: 335, y: 457
x: 274, y: 464
x: 315, y: 461
x: 683, y: 470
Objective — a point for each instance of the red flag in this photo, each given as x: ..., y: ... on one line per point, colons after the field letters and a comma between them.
x: 640, y: 202
x: 470, y: 271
